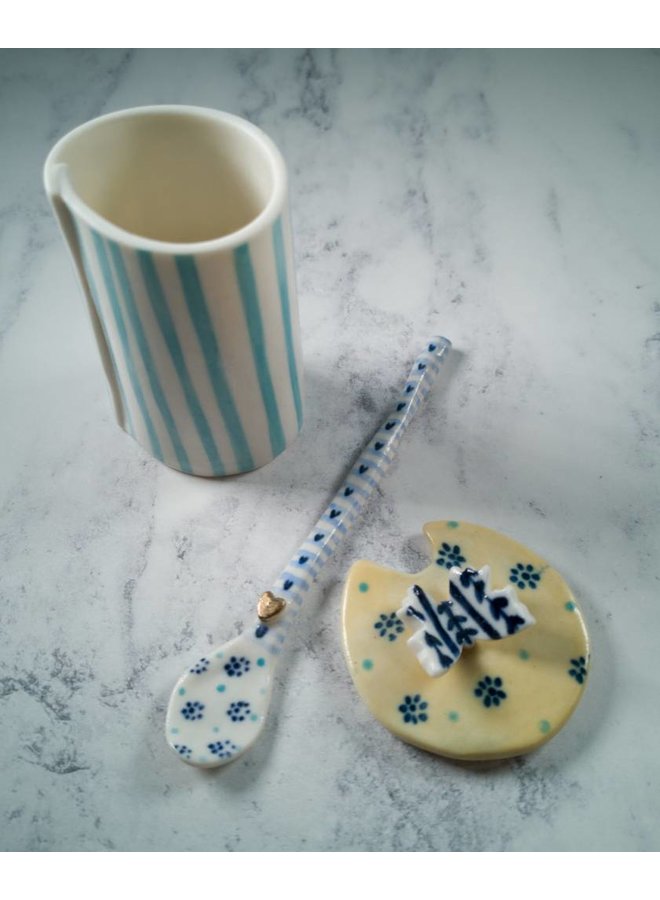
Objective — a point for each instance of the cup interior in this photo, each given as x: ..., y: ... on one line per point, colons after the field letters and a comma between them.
x: 178, y: 177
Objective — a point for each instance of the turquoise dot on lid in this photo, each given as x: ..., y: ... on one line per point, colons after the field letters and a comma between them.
x: 363, y: 587
x: 261, y: 661
x: 544, y: 726
x: 453, y: 716
x: 181, y: 692
x: 523, y: 654
x: 174, y: 730
x: 220, y: 688
x: 367, y: 664
x: 570, y: 606
x: 452, y: 524
x: 216, y: 729
x: 254, y: 717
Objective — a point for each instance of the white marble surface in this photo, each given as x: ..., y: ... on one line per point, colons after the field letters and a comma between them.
x: 509, y: 200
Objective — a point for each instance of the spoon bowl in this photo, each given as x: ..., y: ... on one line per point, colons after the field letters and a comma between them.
x: 219, y: 705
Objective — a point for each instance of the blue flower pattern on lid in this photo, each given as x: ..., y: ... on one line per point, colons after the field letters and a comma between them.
x: 578, y: 669
x: 389, y: 626
x: 450, y: 555
x: 524, y: 575
x: 183, y: 751
x: 414, y: 709
x: 489, y: 690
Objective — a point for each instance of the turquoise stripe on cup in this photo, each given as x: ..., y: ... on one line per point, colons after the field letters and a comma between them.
x: 146, y: 356
x: 250, y: 298
x: 168, y: 329
x: 201, y: 319
x: 283, y: 284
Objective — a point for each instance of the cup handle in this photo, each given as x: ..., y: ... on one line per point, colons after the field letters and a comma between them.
x: 55, y: 179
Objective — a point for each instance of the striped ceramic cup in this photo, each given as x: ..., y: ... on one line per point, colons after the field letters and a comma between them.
x: 177, y: 221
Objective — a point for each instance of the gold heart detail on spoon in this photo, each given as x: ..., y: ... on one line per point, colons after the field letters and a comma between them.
x: 269, y: 606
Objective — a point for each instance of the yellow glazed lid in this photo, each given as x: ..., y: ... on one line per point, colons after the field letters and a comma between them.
x: 502, y: 698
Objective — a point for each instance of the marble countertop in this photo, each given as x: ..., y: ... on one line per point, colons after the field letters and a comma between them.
x: 506, y: 199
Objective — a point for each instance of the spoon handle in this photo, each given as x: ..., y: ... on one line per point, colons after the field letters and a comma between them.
x: 347, y: 505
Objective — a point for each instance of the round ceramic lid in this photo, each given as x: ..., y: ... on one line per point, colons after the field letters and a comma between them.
x: 502, y: 697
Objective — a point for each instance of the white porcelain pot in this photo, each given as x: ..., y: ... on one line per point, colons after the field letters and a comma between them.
x: 177, y: 221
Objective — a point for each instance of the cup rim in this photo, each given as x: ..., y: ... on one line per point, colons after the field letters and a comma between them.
x: 58, y: 183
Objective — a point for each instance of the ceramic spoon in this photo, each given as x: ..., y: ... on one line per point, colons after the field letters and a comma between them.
x: 218, y: 707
